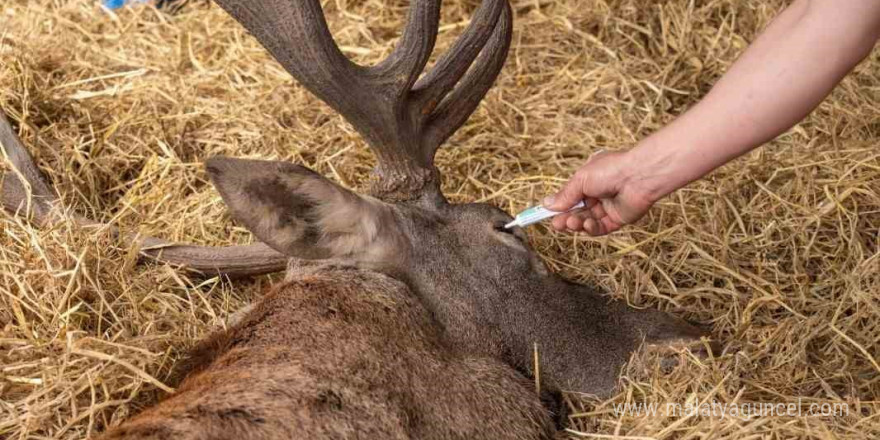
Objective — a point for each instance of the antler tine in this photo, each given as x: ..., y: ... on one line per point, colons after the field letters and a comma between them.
x: 449, y: 69
x: 296, y: 34
x: 25, y: 190
x: 14, y: 192
x: 408, y: 59
x: 458, y: 105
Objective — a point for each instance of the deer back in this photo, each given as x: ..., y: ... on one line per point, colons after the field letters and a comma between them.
x: 340, y: 352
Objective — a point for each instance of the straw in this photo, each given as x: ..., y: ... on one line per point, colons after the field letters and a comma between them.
x: 777, y: 251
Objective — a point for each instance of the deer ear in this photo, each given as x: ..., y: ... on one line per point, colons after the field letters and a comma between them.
x: 300, y: 213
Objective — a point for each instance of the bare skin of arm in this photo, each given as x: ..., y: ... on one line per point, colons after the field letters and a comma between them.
x: 789, y: 69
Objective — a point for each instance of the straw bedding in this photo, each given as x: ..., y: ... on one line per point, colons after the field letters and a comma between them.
x: 778, y: 251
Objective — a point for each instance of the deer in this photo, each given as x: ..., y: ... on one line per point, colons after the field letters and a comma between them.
x: 401, y: 315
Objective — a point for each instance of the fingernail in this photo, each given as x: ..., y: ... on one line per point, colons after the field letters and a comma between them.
x: 548, y: 201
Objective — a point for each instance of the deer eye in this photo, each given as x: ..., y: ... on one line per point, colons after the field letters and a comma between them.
x: 499, y: 226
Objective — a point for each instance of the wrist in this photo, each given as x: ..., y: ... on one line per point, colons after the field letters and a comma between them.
x: 651, y: 171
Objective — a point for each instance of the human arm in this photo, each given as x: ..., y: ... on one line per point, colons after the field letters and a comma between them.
x: 789, y: 69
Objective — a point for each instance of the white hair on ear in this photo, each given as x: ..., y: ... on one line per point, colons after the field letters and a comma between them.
x: 350, y: 224
x: 303, y: 214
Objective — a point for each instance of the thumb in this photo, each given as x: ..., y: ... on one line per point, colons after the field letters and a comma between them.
x: 568, y: 196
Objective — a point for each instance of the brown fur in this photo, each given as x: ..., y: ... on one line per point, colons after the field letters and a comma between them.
x: 341, y: 353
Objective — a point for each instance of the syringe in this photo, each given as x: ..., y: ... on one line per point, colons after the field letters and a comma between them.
x: 536, y: 214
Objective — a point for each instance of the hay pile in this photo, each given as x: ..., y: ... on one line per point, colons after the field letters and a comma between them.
x: 779, y: 251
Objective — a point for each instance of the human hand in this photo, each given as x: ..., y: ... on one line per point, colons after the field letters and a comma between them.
x: 612, y: 194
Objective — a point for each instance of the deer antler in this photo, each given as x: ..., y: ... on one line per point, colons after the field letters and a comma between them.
x: 404, y: 121
x: 25, y: 190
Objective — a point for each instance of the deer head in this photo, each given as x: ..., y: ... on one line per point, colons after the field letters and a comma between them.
x: 483, y: 284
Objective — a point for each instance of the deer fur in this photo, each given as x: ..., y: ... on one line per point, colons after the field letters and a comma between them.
x: 340, y: 352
